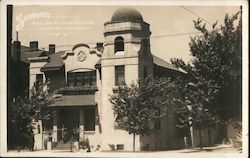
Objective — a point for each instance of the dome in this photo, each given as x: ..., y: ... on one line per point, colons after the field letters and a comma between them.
x: 126, y: 14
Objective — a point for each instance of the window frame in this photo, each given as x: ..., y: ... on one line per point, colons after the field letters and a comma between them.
x: 119, y: 70
x: 119, y: 44
x: 39, y: 80
x: 77, y: 79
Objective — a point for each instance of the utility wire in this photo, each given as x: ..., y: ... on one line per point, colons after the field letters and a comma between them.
x: 178, y: 34
x: 153, y: 37
x: 196, y: 15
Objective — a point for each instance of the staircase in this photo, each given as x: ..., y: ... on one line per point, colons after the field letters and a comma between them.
x: 63, y: 146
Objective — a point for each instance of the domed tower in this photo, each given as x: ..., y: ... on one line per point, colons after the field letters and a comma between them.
x: 126, y: 58
x: 127, y: 41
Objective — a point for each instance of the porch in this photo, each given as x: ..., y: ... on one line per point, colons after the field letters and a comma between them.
x: 76, y: 119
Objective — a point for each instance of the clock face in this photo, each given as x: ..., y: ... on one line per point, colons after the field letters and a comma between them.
x: 81, y: 56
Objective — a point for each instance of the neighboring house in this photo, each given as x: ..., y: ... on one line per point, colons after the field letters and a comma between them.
x: 19, y: 72
x: 19, y: 66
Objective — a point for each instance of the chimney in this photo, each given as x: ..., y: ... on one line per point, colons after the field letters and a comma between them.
x: 16, y: 49
x: 33, y: 46
x: 52, y: 49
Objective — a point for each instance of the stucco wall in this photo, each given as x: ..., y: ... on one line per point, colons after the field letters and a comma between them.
x: 111, y: 136
x: 165, y: 138
x: 129, y: 58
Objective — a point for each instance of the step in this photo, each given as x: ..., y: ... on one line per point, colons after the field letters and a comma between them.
x: 62, y: 146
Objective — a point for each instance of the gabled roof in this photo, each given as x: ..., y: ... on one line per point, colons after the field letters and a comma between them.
x: 55, y: 63
x: 160, y: 62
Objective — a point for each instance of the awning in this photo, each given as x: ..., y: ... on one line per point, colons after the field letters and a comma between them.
x: 74, y: 100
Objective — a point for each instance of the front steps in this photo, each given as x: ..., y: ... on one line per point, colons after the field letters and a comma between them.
x: 63, y: 146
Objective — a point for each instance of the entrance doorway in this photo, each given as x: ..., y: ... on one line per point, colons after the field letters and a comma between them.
x: 68, y: 124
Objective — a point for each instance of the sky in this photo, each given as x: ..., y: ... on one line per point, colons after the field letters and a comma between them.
x: 66, y: 26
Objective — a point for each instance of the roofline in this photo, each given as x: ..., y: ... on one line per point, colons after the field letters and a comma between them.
x: 132, y: 21
x: 45, y: 58
x: 51, y: 68
x: 174, y: 68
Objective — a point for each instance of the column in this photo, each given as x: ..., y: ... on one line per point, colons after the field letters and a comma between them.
x: 81, y: 125
x: 54, y: 135
x: 192, y: 136
x: 97, y: 121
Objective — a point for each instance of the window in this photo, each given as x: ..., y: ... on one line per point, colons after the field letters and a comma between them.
x: 93, y: 78
x: 39, y: 80
x: 119, y: 146
x: 78, y: 79
x: 119, y: 44
x: 119, y: 75
x: 85, y: 78
x: 81, y: 78
x: 71, y: 79
x: 89, y: 119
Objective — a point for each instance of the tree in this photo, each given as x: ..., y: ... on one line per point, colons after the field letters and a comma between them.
x: 216, y: 69
x: 213, y: 83
x: 138, y: 106
x: 25, y: 111
x: 134, y: 109
x: 130, y: 114
x: 190, y: 112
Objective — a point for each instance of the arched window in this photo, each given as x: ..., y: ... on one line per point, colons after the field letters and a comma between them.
x: 119, y: 44
x: 76, y: 79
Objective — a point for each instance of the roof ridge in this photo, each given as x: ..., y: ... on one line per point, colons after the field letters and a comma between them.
x: 164, y: 63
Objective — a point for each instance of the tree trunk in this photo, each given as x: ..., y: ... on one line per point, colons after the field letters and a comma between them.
x: 200, y: 137
x: 133, y: 142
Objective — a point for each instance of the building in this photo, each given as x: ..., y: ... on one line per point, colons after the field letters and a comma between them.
x: 18, y: 76
x: 84, y: 77
x: 19, y: 66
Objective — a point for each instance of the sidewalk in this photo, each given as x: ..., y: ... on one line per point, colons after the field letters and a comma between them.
x: 216, y: 151
x: 222, y: 148
x: 218, y: 148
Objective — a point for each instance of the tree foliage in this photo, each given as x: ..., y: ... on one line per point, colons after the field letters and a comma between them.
x: 215, y: 71
x: 24, y: 111
x: 138, y: 106
x: 131, y: 114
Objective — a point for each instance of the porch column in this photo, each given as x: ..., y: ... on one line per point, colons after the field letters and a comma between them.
x: 54, y: 135
x: 192, y: 136
x: 81, y: 125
